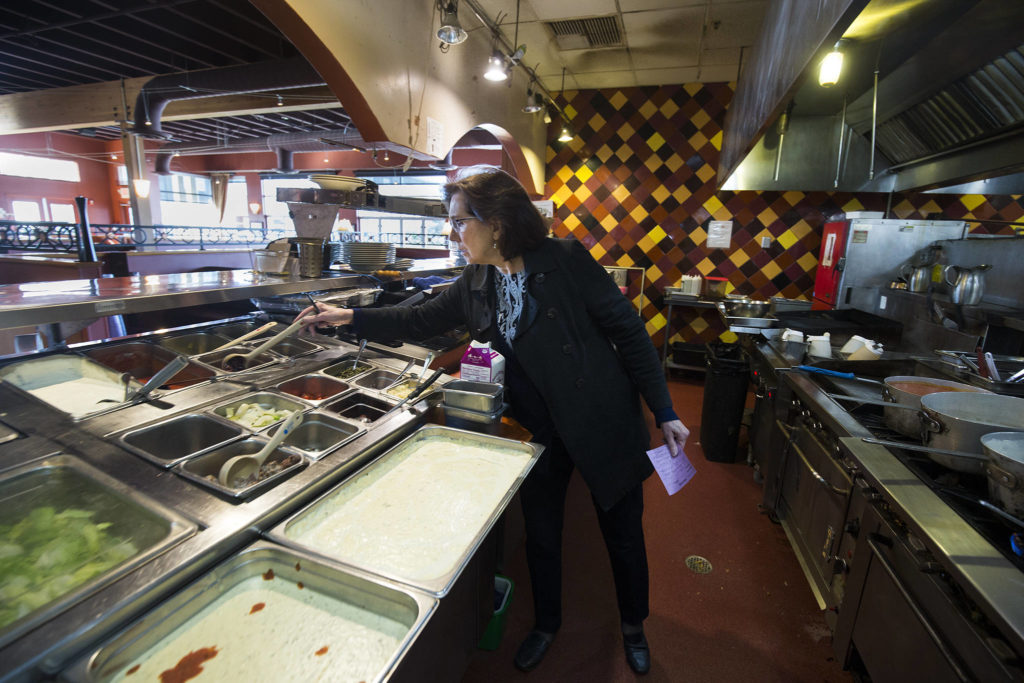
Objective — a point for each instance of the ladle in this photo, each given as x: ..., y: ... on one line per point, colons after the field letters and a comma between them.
x: 164, y: 375
x: 241, y: 467
x: 230, y: 359
x: 248, y: 335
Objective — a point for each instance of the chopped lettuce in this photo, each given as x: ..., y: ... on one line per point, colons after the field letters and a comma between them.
x: 255, y: 416
x: 49, y: 553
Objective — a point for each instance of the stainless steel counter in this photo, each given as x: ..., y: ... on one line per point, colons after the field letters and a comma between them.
x: 38, y: 303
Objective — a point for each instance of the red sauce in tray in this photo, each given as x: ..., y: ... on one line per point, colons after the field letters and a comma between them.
x: 190, y: 666
x: 132, y: 670
x: 923, y: 388
x: 322, y: 651
x: 269, y: 575
x: 257, y: 607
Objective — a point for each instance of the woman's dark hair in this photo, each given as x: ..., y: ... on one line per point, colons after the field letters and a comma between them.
x: 497, y: 199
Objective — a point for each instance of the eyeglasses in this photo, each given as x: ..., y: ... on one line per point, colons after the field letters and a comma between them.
x: 459, y: 223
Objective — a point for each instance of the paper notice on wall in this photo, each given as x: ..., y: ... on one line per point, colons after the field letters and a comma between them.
x: 674, y: 472
x: 719, y: 234
x: 435, y: 131
x: 546, y: 207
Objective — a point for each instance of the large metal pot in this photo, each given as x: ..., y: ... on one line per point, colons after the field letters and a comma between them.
x: 907, y: 390
x: 1005, y: 468
x: 956, y: 421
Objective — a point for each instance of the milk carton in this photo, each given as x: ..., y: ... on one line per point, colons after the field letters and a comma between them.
x: 481, y: 363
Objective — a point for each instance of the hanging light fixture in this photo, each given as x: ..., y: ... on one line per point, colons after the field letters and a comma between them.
x: 141, y: 187
x: 497, y: 67
x: 831, y: 67
x: 534, y: 102
x: 566, y: 134
x: 254, y: 207
x: 451, y: 31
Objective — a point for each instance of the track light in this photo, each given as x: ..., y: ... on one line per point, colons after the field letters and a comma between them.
x: 280, y: 101
x: 534, y: 102
x: 566, y: 134
x: 831, y: 67
x: 497, y: 67
x: 254, y: 207
x: 141, y: 187
x: 451, y: 32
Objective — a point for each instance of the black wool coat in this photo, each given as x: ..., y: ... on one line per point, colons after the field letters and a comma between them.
x: 581, y: 343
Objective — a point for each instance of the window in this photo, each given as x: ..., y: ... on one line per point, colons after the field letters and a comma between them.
x: 26, y: 211
x: 63, y: 213
x: 25, y: 166
x: 275, y: 211
x: 400, y: 229
x: 181, y: 187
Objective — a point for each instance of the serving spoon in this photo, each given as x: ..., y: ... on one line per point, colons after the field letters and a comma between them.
x: 248, y: 335
x: 234, y: 362
x: 241, y: 467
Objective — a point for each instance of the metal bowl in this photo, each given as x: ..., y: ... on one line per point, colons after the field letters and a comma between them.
x: 746, y: 308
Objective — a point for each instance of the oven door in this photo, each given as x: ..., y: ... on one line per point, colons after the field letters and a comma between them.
x: 906, y: 618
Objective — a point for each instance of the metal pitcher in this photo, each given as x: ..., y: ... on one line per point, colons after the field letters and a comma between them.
x: 917, y: 278
x: 968, y: 283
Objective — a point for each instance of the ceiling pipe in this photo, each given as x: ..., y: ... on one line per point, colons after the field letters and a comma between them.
x: 158, y: 92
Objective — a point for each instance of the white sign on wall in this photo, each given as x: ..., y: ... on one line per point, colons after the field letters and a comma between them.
x: 719, y: 234
x: 546, y: 207
x: 435, y: 131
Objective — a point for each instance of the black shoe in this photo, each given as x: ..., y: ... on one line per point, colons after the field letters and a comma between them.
x: 638, y: 653
x: 533, y: 649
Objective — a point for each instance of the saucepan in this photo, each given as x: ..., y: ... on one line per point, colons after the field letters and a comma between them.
x: 956, y: 421
x: 907, y: 390
x: 1005, y: 469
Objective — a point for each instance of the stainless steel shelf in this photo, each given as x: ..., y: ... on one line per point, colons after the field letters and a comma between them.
x: 363, y: 199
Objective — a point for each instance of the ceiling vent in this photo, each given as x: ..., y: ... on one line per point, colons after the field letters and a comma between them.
x: 587, y: 34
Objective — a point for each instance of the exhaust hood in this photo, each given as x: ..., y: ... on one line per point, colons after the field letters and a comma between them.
x: 931, y: 98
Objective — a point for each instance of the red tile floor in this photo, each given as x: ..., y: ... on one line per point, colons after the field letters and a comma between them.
x: 752, y: 618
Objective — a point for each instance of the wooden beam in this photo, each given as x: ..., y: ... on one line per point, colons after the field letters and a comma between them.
x: 100, y: 104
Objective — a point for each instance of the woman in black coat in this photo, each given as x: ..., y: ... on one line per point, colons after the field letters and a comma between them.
x: 578, y: 361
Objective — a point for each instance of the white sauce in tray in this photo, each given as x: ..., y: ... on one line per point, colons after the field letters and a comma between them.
x: 279, y: 641
x: 81, y: 396
x: 415, y: 514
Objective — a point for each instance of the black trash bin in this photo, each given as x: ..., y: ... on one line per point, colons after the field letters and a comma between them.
x: 725, y: 394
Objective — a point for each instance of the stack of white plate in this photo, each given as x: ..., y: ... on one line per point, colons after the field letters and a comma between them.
x: 340, y: 182
x: 368, y: 255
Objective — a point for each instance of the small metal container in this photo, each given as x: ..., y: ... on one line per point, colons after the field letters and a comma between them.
x: 70, y: 383
x: 215, y: 359
x: 346, y: 370
x: 193, y: 344
x: 64, y: 484
x: 266, y: 400
x: 314, y: 388
x: 168, y: 443
x: 377, y: 380
x: 204, y: 469
x: 142, y: 360
x: 482, y: 397
x: 484, y: 423
x: 319, y: 435
x: 359, y: 407
x: 253, y: 638
x: 295, y: 347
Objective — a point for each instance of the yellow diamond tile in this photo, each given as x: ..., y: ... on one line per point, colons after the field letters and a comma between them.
x: 647, y: 109
x: 576, y: 144
x: 645, y: 244
x: 584, y: 173
x: 902, y: 209
x: 564, y: 174
x: 609, y: 222
x: 808, y: 262
x: 706, y: 266
x: 699, y: 325
x: 657, y: 234
x: 660, y: 194
x: 638, y: 213
x: 604, y: 153
x: 655, y: 324
x: 620, y: 193
x: 624, y: 261
x: 801, y: 229
x: 669, y: 109
x: 729, y: 337
x: 712, y: 204
x: 681, y: 194
x: 770, y: 270
x: 793, y: 198
x: 716, y: 141
x: 626, y: 131
x: 698, y: 235
x: 700, y: 118
x: 972, y: 201
x: 767, y: 217
x: 597, y: 122
x: 571, y: 221
x: 788, y: 239
x: 706, y: 172
x: 617, y: 100
x: 693, y: 88
x: 549, y: 154
x: 561, y: 195
x: 624, y: 152
x: 853, y: 205
x: 653, y: 273
x: 570, y: 112
x: 597, y: 251
x: 929, y: 207
x: 652, y: 162
x: 739, y: 257
x: 698, y: 140
x: 673, y: 163
x: 655, y: 141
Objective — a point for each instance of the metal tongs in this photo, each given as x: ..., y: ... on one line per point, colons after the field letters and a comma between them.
x: 415, y: 393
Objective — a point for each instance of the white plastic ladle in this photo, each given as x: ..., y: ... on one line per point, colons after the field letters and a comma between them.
x: 248, y: 357
x: 241, y: 467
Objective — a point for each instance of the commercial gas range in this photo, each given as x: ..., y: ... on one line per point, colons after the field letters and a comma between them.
x: 917, y: 579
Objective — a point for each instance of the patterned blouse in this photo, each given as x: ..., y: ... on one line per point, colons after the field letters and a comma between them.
x: 509, y: 290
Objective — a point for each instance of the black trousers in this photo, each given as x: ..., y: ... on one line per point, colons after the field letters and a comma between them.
x: 543, y: 499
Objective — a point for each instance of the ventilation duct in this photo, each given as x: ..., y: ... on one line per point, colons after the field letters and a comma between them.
x: 587, y: 34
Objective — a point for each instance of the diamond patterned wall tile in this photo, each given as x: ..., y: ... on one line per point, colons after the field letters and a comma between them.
x: 638, y: 184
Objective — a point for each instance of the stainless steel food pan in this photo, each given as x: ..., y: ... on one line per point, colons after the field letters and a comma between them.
x: 204, y: 469
x: 346, y: 370
x: 314, y: 388
x: 193, y: 344
x: 354, y: 505
x: 474, y: 421
x: 267, y: 400
x: 168, y: 443
x: 142, y: 360
x: 397, y: 613
x: 63, y: 487
x: 483, y: 397
x: 319, y: 435
x: 70, y: 383
x: 296, y: 347
x: 376, y: 379
x: 359, y: 407
x: 215, y: 359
